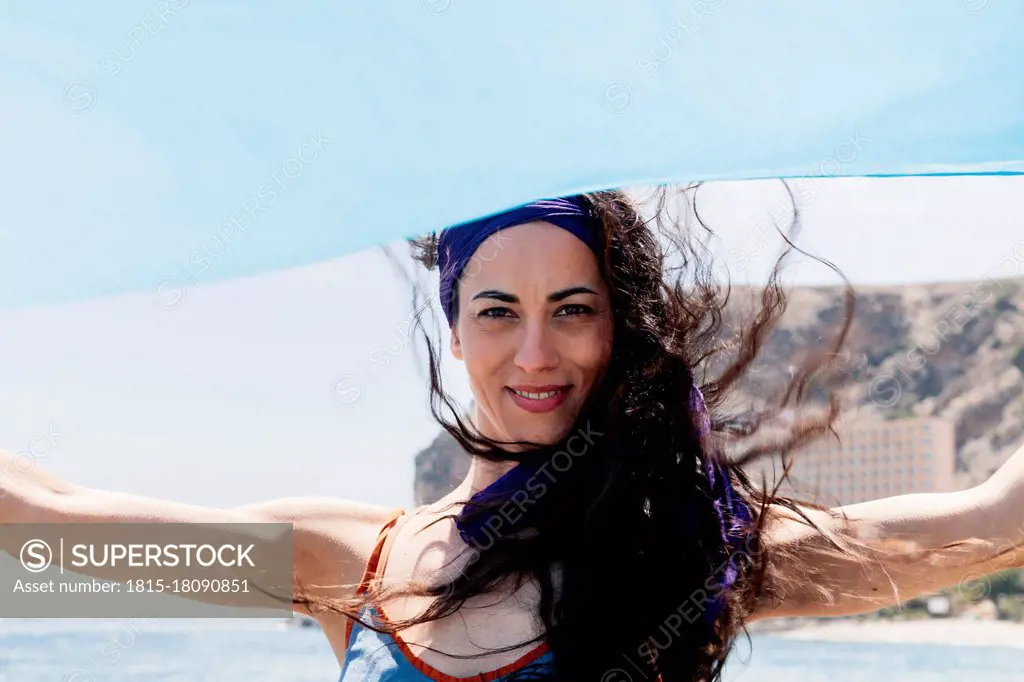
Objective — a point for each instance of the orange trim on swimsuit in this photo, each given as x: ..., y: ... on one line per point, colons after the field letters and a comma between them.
x: 370, y: 569
x: 370, y: 573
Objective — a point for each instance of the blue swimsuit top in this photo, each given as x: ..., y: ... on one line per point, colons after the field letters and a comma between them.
x: 374, y: 657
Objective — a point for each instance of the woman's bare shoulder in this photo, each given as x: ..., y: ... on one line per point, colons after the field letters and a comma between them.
x: 314, y: 509
x: 332, y: 537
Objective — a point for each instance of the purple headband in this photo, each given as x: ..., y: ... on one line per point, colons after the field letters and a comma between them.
x: 457, y: 244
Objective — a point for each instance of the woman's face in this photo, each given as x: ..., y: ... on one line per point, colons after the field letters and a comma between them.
x: 534, y: 329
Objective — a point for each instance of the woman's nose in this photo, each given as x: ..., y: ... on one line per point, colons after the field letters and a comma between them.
x: 537, y: 351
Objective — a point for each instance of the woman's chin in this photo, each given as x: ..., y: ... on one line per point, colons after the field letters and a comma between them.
x: 540, y: 434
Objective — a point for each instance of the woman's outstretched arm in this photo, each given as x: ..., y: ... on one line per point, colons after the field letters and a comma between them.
x: 330, y: 538
x: 909, y: 545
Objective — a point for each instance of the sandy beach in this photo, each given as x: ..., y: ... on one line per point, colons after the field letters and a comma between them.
x: 952, y: 632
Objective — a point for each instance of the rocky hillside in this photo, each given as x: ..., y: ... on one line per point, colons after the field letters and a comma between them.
x: 439, y: 468
x: 953, y: 350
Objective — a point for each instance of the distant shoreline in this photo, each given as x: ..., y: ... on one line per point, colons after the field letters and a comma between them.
x: 945, y: 631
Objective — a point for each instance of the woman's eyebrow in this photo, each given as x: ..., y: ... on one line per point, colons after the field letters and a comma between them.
x: 571, y: 291
x: 506, y: 297
x: 496, y: 294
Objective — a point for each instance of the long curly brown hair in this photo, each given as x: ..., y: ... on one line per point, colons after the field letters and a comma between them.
x: 626, y: 544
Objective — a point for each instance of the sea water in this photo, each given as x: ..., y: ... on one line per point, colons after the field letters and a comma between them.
x: 265, y: 650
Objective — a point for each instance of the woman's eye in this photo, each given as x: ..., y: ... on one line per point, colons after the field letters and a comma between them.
x: 574, y: 310
x: 495, y: 312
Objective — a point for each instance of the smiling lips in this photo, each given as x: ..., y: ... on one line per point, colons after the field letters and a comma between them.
x: 538, y: 398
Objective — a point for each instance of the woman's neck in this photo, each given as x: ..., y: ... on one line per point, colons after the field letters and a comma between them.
x: 481, y: 474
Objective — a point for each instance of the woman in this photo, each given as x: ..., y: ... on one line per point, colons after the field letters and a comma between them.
x: 606, y: 529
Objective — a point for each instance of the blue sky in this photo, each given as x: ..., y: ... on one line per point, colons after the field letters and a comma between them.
x: 190, y: 189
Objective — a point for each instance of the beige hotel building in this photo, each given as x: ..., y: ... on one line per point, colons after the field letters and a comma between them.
x: 875, y: 459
